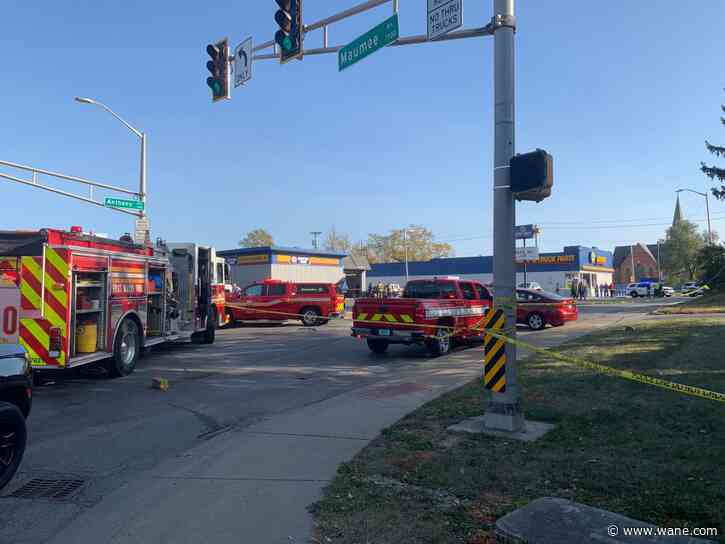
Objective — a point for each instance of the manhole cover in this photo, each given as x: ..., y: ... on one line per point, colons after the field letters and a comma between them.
x: 47, y: 489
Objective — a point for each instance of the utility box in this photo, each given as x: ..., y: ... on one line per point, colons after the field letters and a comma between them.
x: 532, y: 175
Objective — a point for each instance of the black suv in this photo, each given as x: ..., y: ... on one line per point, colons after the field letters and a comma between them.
x: 16, y: 379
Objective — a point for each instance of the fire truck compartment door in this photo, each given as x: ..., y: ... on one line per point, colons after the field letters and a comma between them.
x: 183, y: 265
x: 9, y: 315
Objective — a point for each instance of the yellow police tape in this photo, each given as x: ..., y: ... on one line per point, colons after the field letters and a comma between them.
x: 603, y: 369
x: 625, y: 374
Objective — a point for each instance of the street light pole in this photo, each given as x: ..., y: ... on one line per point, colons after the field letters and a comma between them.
x: 405, y: 251
x: 504, y: 410
x: 707, y: 209
x: 142, y: 136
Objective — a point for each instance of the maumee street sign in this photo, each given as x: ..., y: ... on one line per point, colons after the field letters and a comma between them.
x: 374, y: 39
x: 125, y: 204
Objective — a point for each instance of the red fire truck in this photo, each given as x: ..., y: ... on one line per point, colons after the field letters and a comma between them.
x: 72, y: 298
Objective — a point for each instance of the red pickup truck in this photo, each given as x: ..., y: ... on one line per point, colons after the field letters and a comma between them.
x: 430, y: 312
x: 276, y: 300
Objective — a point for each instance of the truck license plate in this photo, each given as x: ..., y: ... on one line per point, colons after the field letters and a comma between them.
x: 383, y: 332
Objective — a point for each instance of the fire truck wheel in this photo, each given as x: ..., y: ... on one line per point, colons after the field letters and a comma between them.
x: 440, y: 344
x: 210, y: 332
x: 378, y: 346
x: 13, y: 435
x: 126, y: 349
x: 310, y: 317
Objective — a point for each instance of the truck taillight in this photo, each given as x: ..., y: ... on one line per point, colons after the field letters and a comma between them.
x: 56, y: 342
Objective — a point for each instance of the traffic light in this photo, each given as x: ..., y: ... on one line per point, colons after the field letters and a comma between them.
x: 221, y: 72
x: 290, y: 33
x: 532, y: 175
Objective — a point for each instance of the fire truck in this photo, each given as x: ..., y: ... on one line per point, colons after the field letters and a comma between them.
x: 220, y: 286
x: 72, y: 298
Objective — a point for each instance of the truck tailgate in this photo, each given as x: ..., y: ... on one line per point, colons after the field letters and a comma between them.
x: 393, y: 312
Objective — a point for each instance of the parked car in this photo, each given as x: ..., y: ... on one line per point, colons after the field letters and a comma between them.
x: 689, y: 286
x: 641, y: 289
x: 667, y: 291
x: 537, y: 308
x: 16, y: 380
x: 530, y: 285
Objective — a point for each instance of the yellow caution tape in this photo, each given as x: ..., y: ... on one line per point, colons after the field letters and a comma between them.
x: 625, y: 374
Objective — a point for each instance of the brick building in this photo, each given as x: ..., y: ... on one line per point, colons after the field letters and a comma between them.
x: 635, y: 263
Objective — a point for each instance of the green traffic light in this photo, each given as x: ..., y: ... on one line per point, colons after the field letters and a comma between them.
x: 287, y: 43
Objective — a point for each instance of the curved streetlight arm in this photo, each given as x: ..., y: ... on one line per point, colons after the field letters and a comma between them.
x: 109, y: 110
x: 692, y: 191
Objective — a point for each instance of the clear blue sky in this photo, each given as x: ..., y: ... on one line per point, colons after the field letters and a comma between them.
x: 621, y: 93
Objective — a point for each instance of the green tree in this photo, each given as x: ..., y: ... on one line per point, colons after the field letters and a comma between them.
x: 420, y: 242
x: 680, y: 250
x: 715, y: 172
x: 712, y: 262
x: 257, y: 238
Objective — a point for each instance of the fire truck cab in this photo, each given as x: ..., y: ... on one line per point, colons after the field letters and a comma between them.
x: 72, y: 298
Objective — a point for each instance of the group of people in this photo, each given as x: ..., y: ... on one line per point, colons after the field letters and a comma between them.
x: 581, y: 290
x: 381, y: 289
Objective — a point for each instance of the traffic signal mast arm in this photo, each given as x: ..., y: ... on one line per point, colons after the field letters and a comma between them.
x: 360, y: 8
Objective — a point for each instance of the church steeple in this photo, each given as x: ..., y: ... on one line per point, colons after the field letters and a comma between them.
x: 678, y: 212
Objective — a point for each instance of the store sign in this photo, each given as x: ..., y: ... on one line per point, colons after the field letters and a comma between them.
x: 597, y: 259
x: 555, y: 259
x: 249, y: 259
x: 527, y: 254
x: 304, y: 260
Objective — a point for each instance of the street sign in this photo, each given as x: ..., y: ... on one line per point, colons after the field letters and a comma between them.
x: 123, y: 203
x: 141, y: 231
x: 524, y: 254
x: 522, y: 232
x: 444, y: 16
x: 374, y: 39
x: 243, y: 62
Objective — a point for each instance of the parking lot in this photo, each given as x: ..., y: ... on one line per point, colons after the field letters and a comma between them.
x: 105, y: 434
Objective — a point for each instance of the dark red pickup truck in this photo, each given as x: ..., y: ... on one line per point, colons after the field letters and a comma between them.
x: 430, y: 312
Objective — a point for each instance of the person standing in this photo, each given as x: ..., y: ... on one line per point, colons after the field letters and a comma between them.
x: 611, y: 290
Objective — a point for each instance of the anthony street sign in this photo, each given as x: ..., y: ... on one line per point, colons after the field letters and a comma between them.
x: 444, y: 16
x: 125, y: 204
x: 524, y: 254
x: 374, y: 39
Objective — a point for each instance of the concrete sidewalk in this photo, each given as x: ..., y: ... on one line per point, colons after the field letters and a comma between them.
x: 254, y: 484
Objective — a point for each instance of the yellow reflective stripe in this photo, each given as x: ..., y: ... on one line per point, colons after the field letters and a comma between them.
x: 34, y: 268
x: 37, y: 332
x: 406, y: 318
x: 54, y: 318
x: 376, y: 317
x: 492, y: 372
x: 390, y: 318
x: 500, y: 385
x: 362, y: 316
x: 30, y: 294
x: 56, y: 260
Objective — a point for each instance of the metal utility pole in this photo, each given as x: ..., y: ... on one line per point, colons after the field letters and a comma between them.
x: 405, y: 250
x: 315, y: 234
x: 504, y: 410
x: 659, y: 270
x: 707, y: 209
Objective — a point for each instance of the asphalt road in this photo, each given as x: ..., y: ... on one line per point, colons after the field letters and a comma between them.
x: 106, y: 432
